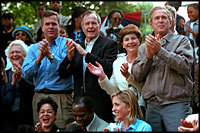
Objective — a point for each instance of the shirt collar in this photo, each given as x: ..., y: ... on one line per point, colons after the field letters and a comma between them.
x: 133, y: 126
x: 167, y: 37
x: 57, y: 40
x: 92, y: 41
x: 91, y: 122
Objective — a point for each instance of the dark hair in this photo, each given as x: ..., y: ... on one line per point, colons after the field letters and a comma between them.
x: 43, y: 6
x: 131, y: 28
x: 194, y: 5
x: 112, y: 12
x: 39, y: 34
x: 76, y: 12
x: 86, y: 101
x: 175, y: 4
x: 73, y: 127
x: 50, y: 13
x: 47, y: 100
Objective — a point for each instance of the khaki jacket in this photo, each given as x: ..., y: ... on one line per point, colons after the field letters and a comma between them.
x: 166, y: 77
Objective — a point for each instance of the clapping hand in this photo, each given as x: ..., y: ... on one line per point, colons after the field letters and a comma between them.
x: 17, y: 73
x: 70, y: 49
x: 44, y: 48
x: 124, y: 70
x: 152, y: 46
x: 189, y: 126
x: 98, y: 71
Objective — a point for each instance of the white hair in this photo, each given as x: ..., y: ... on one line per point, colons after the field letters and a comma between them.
x: 16, y: 42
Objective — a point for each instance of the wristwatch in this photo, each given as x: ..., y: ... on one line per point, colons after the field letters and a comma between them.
x: 51, y: 57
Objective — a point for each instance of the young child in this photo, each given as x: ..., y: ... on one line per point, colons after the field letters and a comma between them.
x: 191, y: 27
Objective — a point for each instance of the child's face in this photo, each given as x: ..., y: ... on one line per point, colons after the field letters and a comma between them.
x: 193, y: 14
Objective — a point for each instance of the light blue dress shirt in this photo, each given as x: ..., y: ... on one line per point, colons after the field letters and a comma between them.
x: 45, y: 75
x: 139, y: 125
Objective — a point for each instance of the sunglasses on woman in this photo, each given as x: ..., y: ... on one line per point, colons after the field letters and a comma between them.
x: 20, y: 34
x: 117, y: 19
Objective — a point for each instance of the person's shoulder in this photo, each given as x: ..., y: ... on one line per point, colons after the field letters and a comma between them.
x: 101, y: 120
x: 180, y: 17
x: 121, y: 58
x: 146, y: 126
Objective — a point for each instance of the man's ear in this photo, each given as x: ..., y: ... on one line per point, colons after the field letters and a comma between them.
x: 170, y: 22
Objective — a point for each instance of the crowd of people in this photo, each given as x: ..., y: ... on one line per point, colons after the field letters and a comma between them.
x: 73, y: 74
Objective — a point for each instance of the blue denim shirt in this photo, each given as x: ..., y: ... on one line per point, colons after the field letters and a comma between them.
x: 45, y: 75
x: 139, y: 125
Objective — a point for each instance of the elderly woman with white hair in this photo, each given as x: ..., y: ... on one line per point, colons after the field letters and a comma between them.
x: 16, y: 93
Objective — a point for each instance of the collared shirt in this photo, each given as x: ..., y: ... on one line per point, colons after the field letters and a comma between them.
x: 88, y: 127
x: 139, y: 125
x: 45, y: 75
x: 194, y: 28
x: 88, y: 48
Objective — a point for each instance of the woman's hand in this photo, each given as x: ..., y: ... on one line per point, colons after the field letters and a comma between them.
x: 17, y: 73
x: 98, y: 71
x: 124, y: 70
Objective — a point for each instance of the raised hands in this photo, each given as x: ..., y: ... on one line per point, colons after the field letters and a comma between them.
x: 124, y: 70
x: 189, y: 126
x: 17, y: 73
x: 44, y: 51
x: 152, y: 46
x: 98, y: 71
x: 70, y: 48
x: 44, y: 48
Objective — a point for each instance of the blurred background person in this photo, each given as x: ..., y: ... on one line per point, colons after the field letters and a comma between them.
x: 57, y: 7
x: 179, y: 18
x: 112, y: 27
x: 73, y: 27
x: 84, y: 115
x: 17, y: 92
x: 47, y: 109
x: 63, y: 32
x: 40, y: 35
x: 6, y: 32
x: 40, y: 11
x: 128, y: 115
x: 173, y: 13
x: 130, y: 38
x: 23, y: 33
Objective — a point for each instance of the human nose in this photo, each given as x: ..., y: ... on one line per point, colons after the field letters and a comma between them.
x: 113, y: 109
x: 160, y: 19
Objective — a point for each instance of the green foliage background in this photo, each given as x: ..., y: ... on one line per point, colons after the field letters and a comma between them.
x: 25, y: 12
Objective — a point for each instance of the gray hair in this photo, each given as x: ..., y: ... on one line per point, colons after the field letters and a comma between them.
x: 16, y: 42
x: 172, y: 9
x: 91, y: 12
x: 159, y: 8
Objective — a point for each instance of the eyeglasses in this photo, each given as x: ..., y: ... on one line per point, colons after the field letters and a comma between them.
x: 20, y: 34
x: 117, y: 19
